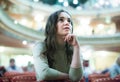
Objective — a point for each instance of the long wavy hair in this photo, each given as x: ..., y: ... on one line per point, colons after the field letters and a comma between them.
x: 50, y: 40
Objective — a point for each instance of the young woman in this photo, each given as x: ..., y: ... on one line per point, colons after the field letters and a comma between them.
x: 58, y: 57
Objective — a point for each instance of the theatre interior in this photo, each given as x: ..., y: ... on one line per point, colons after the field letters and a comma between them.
x: 96, y: 25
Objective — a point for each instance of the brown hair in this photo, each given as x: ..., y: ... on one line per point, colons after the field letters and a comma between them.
x: 50, y: 40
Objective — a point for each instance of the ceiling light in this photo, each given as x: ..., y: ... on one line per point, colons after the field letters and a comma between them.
x: 65, y: 3
x: 35, y: 0
x: 60, y: 1
x: 24, y: 42
x: 75, y: 1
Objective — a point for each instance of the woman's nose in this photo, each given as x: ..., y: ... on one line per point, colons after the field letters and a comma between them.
x: 66, y: 22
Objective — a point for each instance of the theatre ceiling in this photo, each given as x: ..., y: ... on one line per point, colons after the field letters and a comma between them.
x: 18, y: 24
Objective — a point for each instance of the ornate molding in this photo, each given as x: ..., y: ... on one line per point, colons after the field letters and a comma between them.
x: 8, y: 24
x: 48, y: 8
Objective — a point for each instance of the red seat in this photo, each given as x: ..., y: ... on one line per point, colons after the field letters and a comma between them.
x: 9, y: 75
x: 24, y: 78
x: 65, y: 80
x: 107, y: 80
x: 4, y: 79
x: 29, y: 73
x: 92, y: 77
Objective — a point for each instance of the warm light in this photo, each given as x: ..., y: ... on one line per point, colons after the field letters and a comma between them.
x: 103, y: 53
x: 107, y: 3
x: 100, y: 26
x: 35, y: 0
x: 39, y: 17
x: 85, y: 21
x: 86, y: 52
x: 79, y: 8
x: 15, y: 22
x: 25, y: 60
x: 75, y: 1
x: 60, y: 1
x: 115, y: 3
x: 24, y: 42
x: 108, y: 19
x: 101, y: 2
x: 2, y: 49
x: 23, y: 21
x: 65, y: 3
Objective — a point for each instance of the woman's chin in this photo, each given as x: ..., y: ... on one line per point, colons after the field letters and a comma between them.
x: 68, y: 33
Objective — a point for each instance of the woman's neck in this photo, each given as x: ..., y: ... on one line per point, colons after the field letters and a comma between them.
x: 60, y: 40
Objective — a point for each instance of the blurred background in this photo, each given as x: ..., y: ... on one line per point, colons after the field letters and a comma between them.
x: 96, y: 24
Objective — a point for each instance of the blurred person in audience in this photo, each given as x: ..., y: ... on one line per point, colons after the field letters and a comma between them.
x: 12, y: 67
x: 87, y: 70
x: 115, y: 68
x: 24, y: 68
x: 2, y: 71
x: 30, y: 67
x: 58, y: 57
x: 106, y: 72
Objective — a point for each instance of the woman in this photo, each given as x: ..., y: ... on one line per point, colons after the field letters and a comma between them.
x: 58, y: 56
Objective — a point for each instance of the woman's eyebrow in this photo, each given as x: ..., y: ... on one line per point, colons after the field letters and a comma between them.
x: 64, y: 17
x: 61, y: 17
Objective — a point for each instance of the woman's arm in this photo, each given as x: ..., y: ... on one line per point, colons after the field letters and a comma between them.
x: 76, y: 57
x: 43, y: 72
x: 75, y: 72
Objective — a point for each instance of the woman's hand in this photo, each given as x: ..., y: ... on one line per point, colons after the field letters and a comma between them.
x: 71, y: 39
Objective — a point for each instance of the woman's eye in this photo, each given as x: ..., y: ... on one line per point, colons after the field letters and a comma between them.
x: 61, y: 20
x: 69, y: 20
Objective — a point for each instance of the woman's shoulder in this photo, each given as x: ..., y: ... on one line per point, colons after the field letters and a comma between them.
x: 39, y: 44
x: 39, y: 47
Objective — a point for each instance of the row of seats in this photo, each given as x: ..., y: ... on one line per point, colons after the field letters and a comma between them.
x: 18, y: 77
x: 30, y: 77
x: 107, y: 80
x: 103, y: 78
x: 25, y: 77
x: 92, y: 77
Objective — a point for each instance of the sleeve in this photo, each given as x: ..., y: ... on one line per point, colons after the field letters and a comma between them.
x: 43, y: 72
x: 75, y: 74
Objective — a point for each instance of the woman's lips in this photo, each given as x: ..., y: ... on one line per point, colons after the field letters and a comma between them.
x: 67, y: 28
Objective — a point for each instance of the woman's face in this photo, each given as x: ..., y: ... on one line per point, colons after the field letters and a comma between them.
x: 64, y: 26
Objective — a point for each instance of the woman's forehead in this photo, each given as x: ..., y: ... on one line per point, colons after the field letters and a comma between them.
x: 64, y: 15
